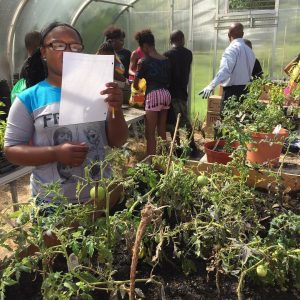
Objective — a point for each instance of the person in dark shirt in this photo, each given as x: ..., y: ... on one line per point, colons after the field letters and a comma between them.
x: 116, y: 36
x: 155, y: 69
x: 32, y: 43
x: 30, y: 72
x: 106, y: 48
x: 257, y: 69
x: 180, y: 61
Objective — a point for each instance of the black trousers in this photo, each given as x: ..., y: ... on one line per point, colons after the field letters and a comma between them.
x: 229, y: 91
x: 180, y: 105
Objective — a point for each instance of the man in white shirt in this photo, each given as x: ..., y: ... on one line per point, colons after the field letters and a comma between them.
x: 236, y: 66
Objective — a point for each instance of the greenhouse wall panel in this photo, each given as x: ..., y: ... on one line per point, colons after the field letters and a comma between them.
x: 36, y: 15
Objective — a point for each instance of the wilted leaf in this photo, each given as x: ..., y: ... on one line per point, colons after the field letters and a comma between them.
x: 139, y: 293
x: 235, y: 272
x: 275, y: 206
x: 245, y: 253
x: 123, y: 291
x: 114, y: 295
x: 73, y: 262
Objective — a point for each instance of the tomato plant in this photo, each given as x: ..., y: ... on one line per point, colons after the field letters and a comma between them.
x: 213, y: 220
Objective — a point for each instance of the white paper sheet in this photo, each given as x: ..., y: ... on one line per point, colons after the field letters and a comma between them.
x: 84, y: 76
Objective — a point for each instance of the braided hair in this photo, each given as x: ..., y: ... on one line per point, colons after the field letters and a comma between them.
x: 35, y: 69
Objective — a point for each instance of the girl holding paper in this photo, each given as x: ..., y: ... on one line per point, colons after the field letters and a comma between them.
x: 34, y: 117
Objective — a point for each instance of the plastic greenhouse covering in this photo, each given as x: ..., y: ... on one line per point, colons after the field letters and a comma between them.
x: 272, y: 26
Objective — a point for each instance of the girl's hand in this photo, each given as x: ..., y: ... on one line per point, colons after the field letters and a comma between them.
x: 71, y: 154
x: 114, y: 95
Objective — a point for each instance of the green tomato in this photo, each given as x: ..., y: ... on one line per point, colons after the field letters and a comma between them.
x: 202, y: 180
x: 101, y: 193
x: 142, y: 252
x: 261, y: 270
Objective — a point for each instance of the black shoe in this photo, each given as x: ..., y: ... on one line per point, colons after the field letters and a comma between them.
x: 196, y: 154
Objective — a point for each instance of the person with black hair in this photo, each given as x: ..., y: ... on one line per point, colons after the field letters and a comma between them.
x: 116, y: 36
x: 33, y: 136
x: 106, y: 48
x: 180, y: 61
x: 33, y: 69
x: 155, y: 69
x: 32, y: 43
x: 257, y: 71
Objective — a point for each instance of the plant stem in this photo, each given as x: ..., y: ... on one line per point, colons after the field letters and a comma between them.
x: 172, y: 144
x: 241, y: 279
x: 146, y: 217
x: 107, y: 197
x: 194, y: 126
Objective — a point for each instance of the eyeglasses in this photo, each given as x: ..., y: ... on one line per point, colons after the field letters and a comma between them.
x: 60, y: 46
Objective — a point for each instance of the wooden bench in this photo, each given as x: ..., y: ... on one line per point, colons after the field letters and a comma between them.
x: 11, y: 178
x: 133, y: 116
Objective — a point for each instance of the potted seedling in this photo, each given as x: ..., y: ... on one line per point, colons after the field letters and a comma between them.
x: 220, y: 151
x: 260, y: 126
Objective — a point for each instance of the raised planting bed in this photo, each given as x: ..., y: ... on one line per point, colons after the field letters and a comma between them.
x: 177, y: 234
x: 288, y: 179
x: 216, y: 151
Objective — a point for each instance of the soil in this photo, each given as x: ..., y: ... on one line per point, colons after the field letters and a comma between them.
x: 174, y: 284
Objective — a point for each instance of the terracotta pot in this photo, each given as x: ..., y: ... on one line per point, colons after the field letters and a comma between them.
x: 214, y: 156
x: 266, y: 147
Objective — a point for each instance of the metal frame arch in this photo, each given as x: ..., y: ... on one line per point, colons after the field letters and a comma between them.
x: 85, y: 4
x: 79, y: 11
x: 11, y: 34
x: 131, y: 4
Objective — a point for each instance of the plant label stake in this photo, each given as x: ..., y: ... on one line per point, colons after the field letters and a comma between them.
x: 277, y: 129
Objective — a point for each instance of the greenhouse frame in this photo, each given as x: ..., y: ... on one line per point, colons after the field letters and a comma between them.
x: 271, y: 26
x: 149, y: 149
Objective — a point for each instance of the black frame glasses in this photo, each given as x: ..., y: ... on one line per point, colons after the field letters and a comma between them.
x: 61, y: 46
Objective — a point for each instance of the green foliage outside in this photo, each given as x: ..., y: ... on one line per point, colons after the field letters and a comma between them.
x: 92, y: 28
x: 251, y: 4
